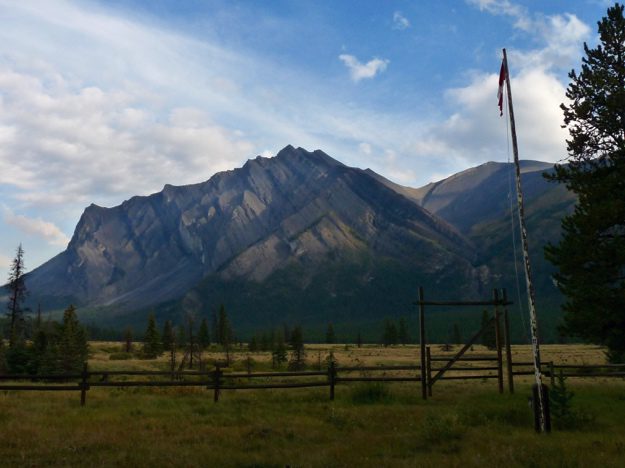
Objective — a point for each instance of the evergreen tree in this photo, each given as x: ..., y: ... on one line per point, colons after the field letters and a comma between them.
x: 72, y: 349
x: 298, y: 353
x: 330, y: 336
x: 203, y: 337
x: 590, y: 257
x: 152, y: 346
x: 279, y: 354
x: 402, y: 333
x: 488, y: 336
x: 127, y: 347
x: 168, y: 337
x: 17, y: 295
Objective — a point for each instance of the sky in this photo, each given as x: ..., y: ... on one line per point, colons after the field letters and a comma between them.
x: 104, y: 100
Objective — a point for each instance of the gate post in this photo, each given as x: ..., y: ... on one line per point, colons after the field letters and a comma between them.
x: 429, y: 370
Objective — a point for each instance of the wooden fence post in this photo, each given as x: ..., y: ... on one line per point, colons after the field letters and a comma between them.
x: 216, y: 382
x: 332, y: 378
x: 506, y: 332
x: 428, y: 356
x: 552, y: 374
x: 424, y: 387
x: 83, y: 385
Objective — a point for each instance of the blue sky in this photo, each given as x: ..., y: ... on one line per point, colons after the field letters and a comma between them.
x: 103, y: 100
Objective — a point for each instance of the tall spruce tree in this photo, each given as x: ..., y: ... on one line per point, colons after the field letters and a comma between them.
x: 17, y: 295
x: 73, y: 349
x: 152, y: 346
x: 590, y: 257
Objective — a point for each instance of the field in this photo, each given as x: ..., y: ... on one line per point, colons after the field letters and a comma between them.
x: 466, y: 423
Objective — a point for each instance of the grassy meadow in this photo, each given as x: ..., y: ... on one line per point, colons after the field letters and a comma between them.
x: 466, y: 423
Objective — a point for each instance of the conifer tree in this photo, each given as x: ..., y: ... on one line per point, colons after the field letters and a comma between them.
x: 279, y: 354
x: 73, y: 349
x: 17, y: 295
x: 152, y: 346
x: 590, y: 256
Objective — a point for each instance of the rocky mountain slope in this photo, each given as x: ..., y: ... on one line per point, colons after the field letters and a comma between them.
x: 301, y: 238
x: 299, y: 208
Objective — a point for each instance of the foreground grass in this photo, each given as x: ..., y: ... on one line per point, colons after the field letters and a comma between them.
x: 465, y: 424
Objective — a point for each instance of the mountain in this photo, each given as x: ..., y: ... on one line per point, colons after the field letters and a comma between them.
x: 300, y: 210
x: 300, y: 238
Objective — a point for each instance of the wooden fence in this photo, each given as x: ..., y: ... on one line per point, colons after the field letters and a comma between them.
x: 219, y: 379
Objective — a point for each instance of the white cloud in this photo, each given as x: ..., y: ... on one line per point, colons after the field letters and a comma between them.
x: 364, y: 148
x: 359, y: 71
x: 400, y: 21
x: 36, y: 227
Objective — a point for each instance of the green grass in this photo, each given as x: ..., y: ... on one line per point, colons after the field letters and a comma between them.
x: 463, y: 425
x: 466, y: 424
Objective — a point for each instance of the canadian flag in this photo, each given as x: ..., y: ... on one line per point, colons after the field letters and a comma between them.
x: 502, y: 79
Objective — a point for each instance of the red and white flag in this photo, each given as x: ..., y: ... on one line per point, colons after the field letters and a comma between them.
x: 502, y: 79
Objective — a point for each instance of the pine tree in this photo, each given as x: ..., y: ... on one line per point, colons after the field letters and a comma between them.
x: 279, y: 354
x: 252, y: 346
x: 152, y: 346
x: 330, y: 337
x: 203, y: 337
x: 590, y: 257
x: 168, y: 337
x: 73, y: 349
x: 17, y: 295
x: 298, y: 352
x: 488, y: 336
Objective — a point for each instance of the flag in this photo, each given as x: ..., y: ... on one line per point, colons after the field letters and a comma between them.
x: 502, y: 79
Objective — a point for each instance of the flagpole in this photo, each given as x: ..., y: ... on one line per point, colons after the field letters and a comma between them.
x: 528, y: 271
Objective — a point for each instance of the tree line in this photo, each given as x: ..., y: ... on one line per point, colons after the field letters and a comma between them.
x: 38, y: 347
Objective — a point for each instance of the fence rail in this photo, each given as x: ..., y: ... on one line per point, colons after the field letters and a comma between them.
x: 217, y: 379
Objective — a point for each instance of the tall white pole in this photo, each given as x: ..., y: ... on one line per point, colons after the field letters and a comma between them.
x: 526, y: 258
